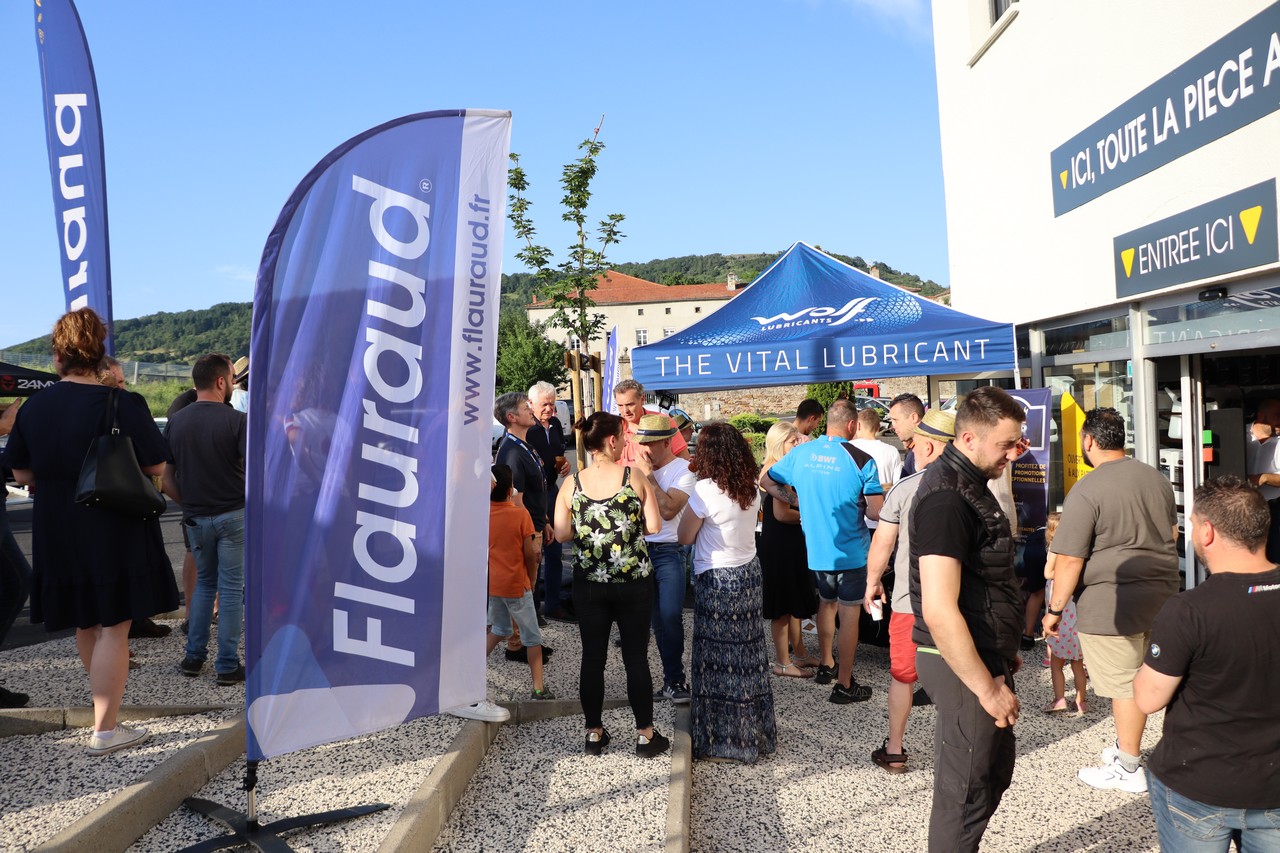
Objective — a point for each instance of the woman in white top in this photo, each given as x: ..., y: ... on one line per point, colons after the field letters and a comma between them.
x: 732, y: 708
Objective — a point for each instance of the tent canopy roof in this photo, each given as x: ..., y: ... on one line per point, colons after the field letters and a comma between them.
x: 811, y: 318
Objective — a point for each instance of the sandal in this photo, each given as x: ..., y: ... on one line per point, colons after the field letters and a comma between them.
x: 791, y: 670
x: 1081, y: 707
x: 894, y: 763
x: 809, y: 662
x: 1058, y: 706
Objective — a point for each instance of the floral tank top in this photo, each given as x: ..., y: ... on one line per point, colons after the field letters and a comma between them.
x: 608, y: 535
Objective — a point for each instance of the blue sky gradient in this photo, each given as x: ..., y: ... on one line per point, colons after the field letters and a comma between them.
x: 730, y: 127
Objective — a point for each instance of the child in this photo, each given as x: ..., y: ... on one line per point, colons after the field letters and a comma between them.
x: 515, y: 550
x: 1065, y: 646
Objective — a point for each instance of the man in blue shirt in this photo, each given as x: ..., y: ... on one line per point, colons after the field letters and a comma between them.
x: 838, y: 488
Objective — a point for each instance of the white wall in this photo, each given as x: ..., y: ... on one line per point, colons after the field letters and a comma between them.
x: 1058, y: 68
x: 627, y: 318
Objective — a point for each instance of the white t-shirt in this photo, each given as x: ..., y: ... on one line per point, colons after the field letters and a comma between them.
x: 888, y: 464
x: 674, y: 475
x: 1263, y: 458
x: 728, y: 535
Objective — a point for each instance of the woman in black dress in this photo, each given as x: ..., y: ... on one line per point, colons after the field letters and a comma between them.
x: 789, y: 593
x: 94, y: 570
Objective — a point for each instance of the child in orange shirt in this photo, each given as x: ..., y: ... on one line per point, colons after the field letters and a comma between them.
x: 515, y: 550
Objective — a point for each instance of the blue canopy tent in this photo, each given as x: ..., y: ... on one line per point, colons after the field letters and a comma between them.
x: 810, y: 318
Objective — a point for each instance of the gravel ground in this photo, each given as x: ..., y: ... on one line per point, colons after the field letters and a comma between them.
x: 536, y: 790
x: 50, y: 781
x: 385, y: 767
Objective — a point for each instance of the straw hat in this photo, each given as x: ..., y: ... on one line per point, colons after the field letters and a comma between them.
x: 654, y: 428
x: 937, y: 425
x: 241, y: 368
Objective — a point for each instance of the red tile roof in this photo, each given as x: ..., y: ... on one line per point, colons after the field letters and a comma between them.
x: 618, y: 289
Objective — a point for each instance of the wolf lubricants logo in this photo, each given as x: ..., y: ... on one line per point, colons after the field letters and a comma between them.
x: 819, y: 315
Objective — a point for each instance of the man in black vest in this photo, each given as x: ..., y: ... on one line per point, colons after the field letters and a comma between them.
x: 968, y: 617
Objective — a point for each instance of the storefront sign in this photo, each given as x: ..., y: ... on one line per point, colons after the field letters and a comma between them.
x: 1231, y: 233
x: 1231, y: 83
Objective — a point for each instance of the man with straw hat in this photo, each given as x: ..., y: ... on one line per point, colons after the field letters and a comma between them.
x: 672, y: 482
x: 931, y: 436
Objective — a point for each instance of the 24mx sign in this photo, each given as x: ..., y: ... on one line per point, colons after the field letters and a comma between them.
x: 8, y: 384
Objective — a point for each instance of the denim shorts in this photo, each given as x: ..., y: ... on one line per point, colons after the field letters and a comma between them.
x: 849, y: 586
x: 502, y: 611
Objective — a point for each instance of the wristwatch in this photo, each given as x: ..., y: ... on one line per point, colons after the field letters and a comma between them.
x: 1053, y: 612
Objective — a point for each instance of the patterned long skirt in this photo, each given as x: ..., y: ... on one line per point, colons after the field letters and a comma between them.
x: 732, y: 708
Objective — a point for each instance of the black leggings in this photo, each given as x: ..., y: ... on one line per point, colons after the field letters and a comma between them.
x: 598, y: 606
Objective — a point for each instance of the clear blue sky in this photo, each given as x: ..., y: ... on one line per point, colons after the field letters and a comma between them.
x: 730, y: 127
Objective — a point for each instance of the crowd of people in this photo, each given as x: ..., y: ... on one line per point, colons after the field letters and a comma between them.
x: 815, y: 531
x: 103, y: 573
x: 840, y: 513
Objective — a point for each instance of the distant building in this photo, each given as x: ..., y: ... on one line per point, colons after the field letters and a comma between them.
x: 644, y: 311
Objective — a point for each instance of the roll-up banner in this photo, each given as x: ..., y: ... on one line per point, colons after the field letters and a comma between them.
x: 1031, y: 469
x: 73, y: 128
x: 374, y: 326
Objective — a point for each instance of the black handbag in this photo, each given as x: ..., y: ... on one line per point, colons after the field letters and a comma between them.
x: 111, y: 477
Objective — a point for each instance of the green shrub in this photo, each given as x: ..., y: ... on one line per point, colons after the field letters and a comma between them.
x: 748, y: 422
x: 756, y: 440
x: 160, y: 394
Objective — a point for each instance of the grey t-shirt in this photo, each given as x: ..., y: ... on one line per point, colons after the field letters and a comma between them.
x: 1120, y: 520
x: 207, y: 441
x: 897, y: 510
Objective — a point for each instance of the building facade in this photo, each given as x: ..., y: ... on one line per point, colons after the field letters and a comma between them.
x: 1110, y: 173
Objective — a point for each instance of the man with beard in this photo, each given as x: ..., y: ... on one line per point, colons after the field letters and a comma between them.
x: 1116, y: 546
x: 968, y: 617
x: 207, y: 440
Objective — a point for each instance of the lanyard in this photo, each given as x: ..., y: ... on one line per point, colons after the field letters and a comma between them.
x: 527, y: 449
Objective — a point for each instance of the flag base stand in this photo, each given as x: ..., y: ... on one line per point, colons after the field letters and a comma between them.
x: 245, y: 827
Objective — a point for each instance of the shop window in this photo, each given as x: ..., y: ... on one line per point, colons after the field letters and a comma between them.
x: 1242, y: 314
x: 1111, y: 333
x: 1091, y: 385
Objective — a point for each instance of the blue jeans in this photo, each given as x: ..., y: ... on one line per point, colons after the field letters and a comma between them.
x: 668, y: 609
x: 217, y: 543
x: 1188, y: 826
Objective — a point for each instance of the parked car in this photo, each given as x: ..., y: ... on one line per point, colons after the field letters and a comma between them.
x: 879, y: 408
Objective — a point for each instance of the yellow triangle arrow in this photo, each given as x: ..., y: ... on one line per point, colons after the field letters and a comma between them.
x: 1249, y: 219
x: 1127, y: 257
x: 1063, y: 177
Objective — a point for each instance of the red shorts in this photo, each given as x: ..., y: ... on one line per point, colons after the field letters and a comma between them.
x: 902, y: 652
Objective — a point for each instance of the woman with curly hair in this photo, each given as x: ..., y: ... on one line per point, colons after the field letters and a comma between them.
x: 607, y: 512
x: 732, y: 713
x: 95, y: 570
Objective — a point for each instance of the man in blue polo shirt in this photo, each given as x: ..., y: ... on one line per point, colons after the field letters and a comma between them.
x: 838, y: 488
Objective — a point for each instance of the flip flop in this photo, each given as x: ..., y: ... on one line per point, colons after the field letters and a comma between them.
x: 791, y: 671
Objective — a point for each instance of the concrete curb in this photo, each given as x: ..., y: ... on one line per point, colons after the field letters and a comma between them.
x: 681, y: 782
x: 425, y: 815
x: 128, y: 815
x: 528, y: 711
x: 35, y: 721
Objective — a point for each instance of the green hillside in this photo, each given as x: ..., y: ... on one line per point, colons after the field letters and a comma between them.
x: 183, y: 336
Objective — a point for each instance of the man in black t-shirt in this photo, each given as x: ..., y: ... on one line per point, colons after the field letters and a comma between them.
x: 968, y: 617
x: 207, y: 440
x: 1213, y: 652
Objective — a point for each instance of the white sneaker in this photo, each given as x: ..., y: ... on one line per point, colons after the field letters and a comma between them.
x: 1108, y: 755
x: 1115, y: 777
x: 122, y: 738
x: 485, y: 712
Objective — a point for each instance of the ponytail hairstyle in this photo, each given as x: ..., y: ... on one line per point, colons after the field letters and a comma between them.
x: 594, y: 430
